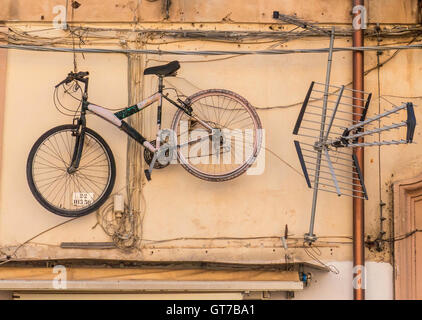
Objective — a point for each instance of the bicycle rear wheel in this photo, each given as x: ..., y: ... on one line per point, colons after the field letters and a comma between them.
x: 70, y: 194
x: 233, y: 145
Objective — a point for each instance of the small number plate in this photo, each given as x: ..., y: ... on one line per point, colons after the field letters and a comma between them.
x: 82, y: 199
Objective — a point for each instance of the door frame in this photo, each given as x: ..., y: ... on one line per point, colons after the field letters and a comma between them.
x: 406, y: 193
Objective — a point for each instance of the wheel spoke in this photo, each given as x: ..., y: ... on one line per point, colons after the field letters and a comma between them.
x: 56, y: 186
x: 236, y: 124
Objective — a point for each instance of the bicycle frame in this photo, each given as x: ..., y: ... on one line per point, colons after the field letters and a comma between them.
x: 117, y: 119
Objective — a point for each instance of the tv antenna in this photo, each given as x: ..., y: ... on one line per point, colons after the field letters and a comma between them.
x: 330, y: 129
x: 300, y: 23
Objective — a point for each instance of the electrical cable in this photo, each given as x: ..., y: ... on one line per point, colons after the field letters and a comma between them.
x: 366, y: 72
x: 313, y: 255
x: 72, y: 33
x: 266, y: 148
x: 209, y: 52
x: 16, y: 37
x: 237, y: 53
x: 401, y: 237
x: 9, y: 257
x: 74, y: 86
x: 207, y: 34
x: 381, y: 203
x: 122, y: 229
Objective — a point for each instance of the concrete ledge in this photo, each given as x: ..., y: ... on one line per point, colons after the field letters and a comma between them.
x: 152, y: 285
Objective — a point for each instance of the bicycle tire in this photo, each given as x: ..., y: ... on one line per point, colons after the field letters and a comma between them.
x: 41, y: 198
x: 248, y: 108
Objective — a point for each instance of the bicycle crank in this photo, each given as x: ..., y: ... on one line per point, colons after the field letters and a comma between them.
x: 163, y: 156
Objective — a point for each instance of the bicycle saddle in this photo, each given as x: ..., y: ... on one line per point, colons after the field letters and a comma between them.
x: 165, y: 70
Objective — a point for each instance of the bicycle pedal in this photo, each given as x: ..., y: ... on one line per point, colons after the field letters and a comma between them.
x: 147, y: 174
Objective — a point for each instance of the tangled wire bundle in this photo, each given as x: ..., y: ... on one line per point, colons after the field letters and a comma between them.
x: 121, y: 227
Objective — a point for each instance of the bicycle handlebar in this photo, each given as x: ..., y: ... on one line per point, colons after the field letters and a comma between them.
x: 79, y: 76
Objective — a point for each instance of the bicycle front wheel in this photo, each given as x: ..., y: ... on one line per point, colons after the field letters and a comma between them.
x: 221, y: 139
x: 65, y: 192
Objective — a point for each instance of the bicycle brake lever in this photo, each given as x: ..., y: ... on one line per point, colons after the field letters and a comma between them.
x: 68, y: 79
x: 60, y: 83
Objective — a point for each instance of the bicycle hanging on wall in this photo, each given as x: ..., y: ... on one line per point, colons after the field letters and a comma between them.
x: 71, y: 169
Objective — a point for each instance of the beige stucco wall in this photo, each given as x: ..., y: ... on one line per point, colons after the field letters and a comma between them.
x: 238, y: 11
x: 177, y: 204
x: 30, y: 112
x: 399, y: 78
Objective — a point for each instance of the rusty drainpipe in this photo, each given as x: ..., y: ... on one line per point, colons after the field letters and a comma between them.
x: 358, y: 204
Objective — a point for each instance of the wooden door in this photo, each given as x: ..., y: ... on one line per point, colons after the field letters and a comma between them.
x: 418, y: 247
x: 408, y: 235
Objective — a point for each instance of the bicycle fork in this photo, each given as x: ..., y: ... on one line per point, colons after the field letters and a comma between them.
x: 79, y: 143
x: 110, y: 117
